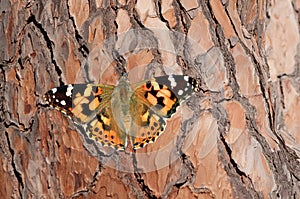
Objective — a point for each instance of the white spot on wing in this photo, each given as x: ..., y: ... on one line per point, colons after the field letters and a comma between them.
x: 172, y: 80
x: 63, y: 102
x: 54, y: 90
x: 180, y: 92
x: 69, y: 90
x: 186, y: 78
x: 56, y: 100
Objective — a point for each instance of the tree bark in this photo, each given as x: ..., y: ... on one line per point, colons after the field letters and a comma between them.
x: 237, y: 138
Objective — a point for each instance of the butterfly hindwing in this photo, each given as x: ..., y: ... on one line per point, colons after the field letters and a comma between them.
x: 146, y: 125
x: 105, y: 130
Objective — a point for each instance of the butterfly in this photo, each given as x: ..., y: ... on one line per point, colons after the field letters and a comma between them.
x: 111, y: 114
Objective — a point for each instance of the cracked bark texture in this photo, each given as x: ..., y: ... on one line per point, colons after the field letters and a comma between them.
x: 238, y: 138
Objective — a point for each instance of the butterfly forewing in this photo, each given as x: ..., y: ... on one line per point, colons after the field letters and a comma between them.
x: 88, y: 104
x: 155, y: 100
x: 79, y: 101
x: 165, y: 93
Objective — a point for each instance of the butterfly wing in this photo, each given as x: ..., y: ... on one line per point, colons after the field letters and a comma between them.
x: 146, y: 125
x: 156, y: 100
x: 89, y: 104
x: 105, y: 130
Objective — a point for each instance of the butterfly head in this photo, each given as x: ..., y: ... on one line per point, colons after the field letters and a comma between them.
x: 124, y: 79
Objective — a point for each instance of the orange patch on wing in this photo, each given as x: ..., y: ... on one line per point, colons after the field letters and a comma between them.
x: 103, y: 136
x: 164, y: 93
x: 145, y: 116
x: 164, y: 110
x: 152, y: 99
x: 155, y: 86
x: 77, y: 110
x: 99, y: 92
x: 139, y: 140
x: 168, y: 102
x: 88, y: 91
x: 94, y: 104
x: 106, y: 120
x: 80, y: 99
x: 114, y: 138
x: 82, y: 117
x: 145, y: 88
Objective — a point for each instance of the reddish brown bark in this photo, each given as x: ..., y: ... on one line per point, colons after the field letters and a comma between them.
x: 237, y: 138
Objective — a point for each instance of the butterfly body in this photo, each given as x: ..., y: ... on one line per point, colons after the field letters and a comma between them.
x: 113, y: 114
x: 120, y: 103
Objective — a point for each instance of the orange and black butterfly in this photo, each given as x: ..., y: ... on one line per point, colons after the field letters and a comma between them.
x: 111, y: 114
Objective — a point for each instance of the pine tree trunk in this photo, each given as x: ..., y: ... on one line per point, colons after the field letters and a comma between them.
x: 236, y: 138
